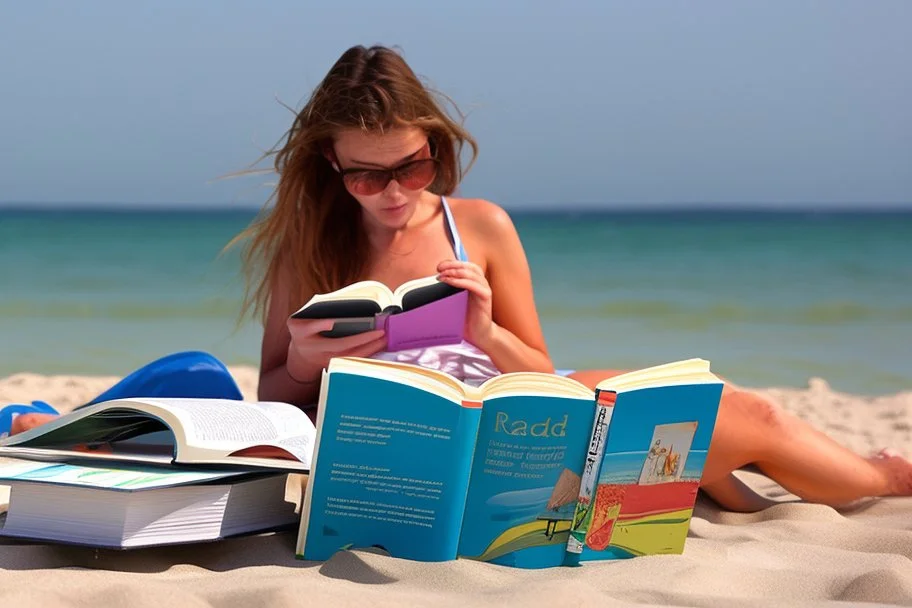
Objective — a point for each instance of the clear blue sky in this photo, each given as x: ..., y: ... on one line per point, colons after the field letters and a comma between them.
x: 598, y: 103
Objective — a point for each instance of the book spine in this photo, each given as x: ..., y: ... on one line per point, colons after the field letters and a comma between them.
x: 582, y: 516
x: 381, y: 320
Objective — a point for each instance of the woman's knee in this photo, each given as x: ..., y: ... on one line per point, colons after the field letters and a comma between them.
x: 750, y: 408
x: 746, y: 427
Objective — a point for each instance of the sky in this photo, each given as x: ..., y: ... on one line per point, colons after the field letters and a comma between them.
x: 591, y: 104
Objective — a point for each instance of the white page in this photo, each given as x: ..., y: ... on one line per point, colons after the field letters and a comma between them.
x: 226, y: 422
x: 300, y: 447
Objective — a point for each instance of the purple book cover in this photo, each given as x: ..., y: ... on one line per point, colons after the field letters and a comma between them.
x: 440, y: 322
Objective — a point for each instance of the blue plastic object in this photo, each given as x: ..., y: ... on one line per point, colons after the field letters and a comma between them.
x: 182, y: 374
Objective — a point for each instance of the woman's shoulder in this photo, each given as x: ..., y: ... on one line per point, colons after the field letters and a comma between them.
x: 481, y: 217
x: 487, y: 232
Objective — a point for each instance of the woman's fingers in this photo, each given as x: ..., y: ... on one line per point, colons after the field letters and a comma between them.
x: 341, y: 345
x: 304, y: 328
x: 366, y: 350
x: 25, y: 422
x: 459, y: 268
x: 469, y: 284
x: 308, y: 330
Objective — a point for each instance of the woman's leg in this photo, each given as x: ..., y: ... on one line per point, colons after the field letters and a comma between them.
x: 807, y: 463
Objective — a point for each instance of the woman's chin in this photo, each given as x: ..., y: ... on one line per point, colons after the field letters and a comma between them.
x: 395, y: 217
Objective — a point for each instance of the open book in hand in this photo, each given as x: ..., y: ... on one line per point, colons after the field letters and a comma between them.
x: 170, y: 430
x: 412, y: 460
x: 420, y: 313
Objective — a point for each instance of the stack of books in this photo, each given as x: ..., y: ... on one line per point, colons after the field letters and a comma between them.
x: 145, y: 472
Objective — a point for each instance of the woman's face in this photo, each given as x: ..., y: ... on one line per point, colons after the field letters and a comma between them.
x: 366, y: 160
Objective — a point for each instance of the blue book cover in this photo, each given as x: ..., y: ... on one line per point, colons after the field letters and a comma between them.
x: 525, y: 479
x: 649, y: 471
x: 391, y: 470
x: 528, y: 470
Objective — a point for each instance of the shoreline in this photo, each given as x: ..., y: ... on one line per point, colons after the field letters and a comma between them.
x: 862, y: 423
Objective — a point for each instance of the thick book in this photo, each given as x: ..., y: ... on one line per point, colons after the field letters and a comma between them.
x: 137, y: 506
x: 417, y: 463
x: 419, y: 313
x: 174, y: 431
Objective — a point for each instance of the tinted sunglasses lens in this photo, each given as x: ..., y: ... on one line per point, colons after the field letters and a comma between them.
x: 367, y: 183
x: 417, y: 174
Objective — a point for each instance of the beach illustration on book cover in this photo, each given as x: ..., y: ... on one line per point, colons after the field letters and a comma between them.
x: 537, y: 526
x: 643, y: 503
x: 644, y: 499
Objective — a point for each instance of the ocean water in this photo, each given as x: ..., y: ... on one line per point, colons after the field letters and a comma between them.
x: 769, y: 298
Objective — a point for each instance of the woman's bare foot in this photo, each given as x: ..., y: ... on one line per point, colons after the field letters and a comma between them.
x: 26, y: 422
x: 896, y: 469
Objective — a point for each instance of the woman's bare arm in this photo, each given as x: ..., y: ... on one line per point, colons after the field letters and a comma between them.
x: 275, y: 383
x: 517, y: 342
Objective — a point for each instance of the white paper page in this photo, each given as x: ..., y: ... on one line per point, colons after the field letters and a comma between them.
x: 226, y: 423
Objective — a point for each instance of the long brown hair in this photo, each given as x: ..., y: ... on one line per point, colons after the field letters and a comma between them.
x: 313, y: 231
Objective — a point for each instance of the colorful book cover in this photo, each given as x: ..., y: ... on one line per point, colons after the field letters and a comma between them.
x: 525, y: 479
x: 649, y: 472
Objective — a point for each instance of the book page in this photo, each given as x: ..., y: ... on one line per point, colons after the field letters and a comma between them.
x: 428, y: 379
x: 372, y: 291
x: 301, y: 447
x: 226, y: 425
x: 687, y: 371
x: 414, y: 284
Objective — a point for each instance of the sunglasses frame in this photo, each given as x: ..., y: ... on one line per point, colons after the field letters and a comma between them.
x: 391, y: 173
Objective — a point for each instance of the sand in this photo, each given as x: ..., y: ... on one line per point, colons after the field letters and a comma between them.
x: 789, y: 554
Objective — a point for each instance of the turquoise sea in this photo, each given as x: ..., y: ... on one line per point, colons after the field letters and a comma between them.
x: 770, y: 298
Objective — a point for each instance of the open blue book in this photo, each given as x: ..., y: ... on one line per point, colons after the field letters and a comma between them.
x: 415, y: 462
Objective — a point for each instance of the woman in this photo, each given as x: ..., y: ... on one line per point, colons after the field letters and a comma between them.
x: 365, y: 177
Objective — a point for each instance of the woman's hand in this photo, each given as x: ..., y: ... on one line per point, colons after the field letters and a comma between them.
x: 479, y: 318
x: 26, y: 422
x: 309, y: 352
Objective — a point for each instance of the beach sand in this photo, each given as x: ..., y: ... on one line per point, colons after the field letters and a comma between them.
x: 790, y: 554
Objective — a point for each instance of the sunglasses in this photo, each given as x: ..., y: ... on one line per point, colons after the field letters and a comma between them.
x: 411, y: 175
